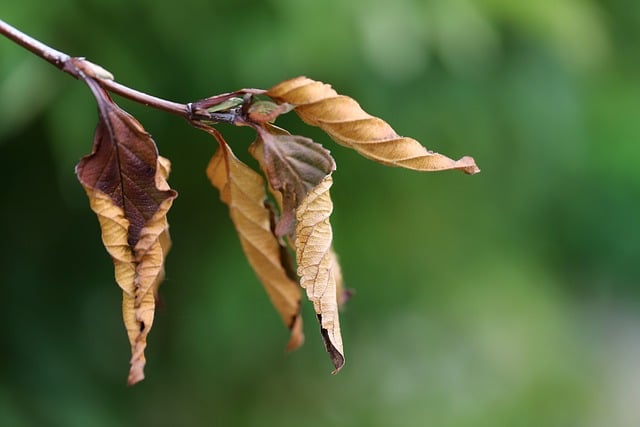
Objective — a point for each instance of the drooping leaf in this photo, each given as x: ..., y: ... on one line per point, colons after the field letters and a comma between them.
x: 243, y: 190
x: 257, y: 151
x: 324, y: 290
x: 125, y: 181
x: 348, y: 124
x: 316, y: 265
x: 293, y: 165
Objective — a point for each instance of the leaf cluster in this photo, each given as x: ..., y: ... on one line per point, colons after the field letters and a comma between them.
x: 281, y: 212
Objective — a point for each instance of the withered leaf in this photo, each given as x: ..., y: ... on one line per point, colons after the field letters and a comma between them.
x: 348, y: 124
x: 125, y: 181
x: 243, y: 190
x: 293, y: 165
x: 317, y: 266
x: 343, y: 294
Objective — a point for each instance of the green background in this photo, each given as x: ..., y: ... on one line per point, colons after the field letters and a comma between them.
x: 509, y: 298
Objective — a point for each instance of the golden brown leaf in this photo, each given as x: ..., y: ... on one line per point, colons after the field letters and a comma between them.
x: 138, y: 272
x: 316, y: 265
x: 257, y: 151
x: 243, y: 190
x: 126, y: 182
x: 330, y: 328
x: 348, y: 124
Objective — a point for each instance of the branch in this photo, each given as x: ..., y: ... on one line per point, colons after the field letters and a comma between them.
x: 45, y: 52
x: 80, y: 68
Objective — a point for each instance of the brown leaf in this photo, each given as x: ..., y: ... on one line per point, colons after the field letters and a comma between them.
x: 343, y: 294
x: 293, y: 165
x: 326, y: 297
x: 317, y: 266
x: 125, y: 180
x: 244, y: 191
x: 342, y: 118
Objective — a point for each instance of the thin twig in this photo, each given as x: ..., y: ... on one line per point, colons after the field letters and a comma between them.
x: 145, y: 99
x: 77, y: 66
x: 45, y: 52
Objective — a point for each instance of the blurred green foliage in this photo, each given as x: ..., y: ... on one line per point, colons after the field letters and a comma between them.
x: 507, y: 298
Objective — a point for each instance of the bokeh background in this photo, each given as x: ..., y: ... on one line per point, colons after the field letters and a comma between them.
x: 507, y: 298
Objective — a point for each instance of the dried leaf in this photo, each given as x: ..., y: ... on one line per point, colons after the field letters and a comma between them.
x: 316, y: 265
x: 342, y: 118
x: 326, y: 297
x: 125, y: 181
x: 244, y: 191
x: 293, y: 165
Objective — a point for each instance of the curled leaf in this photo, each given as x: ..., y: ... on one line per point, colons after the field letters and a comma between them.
x: 325, y: 291
x: 348, y: 124
x: 317, y: 266
x: 243, y: 190
x: 125, y: 181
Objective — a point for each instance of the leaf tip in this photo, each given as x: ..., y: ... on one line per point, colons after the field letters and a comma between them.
x: 338, y: 363
x: 468, y: 165
x: 297, y: 336
x: 335, y: 353
x: 136, y: 373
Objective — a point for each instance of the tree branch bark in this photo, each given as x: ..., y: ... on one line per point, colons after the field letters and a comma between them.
x: 80, y: 68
